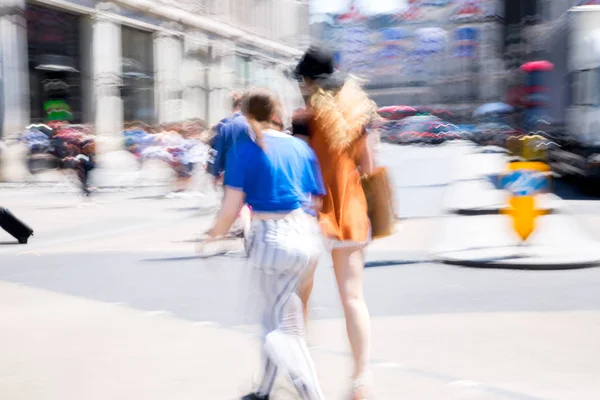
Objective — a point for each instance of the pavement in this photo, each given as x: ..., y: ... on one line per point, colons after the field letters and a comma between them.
x: 109, y: 300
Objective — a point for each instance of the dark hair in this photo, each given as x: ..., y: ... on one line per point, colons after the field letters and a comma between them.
x: 261, y: 105
x: 316, y: 63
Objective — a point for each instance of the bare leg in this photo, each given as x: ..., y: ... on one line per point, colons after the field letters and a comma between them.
x: 305, y: 288
x: 348, y: 264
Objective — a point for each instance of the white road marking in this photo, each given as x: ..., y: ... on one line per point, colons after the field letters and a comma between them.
x: 388, y: 365
x: 159, y: 312
x: 464, y: 384
x: 28, y: 252
x: 205, y: 323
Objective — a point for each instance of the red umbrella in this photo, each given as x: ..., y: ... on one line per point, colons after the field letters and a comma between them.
x: 534, y: 66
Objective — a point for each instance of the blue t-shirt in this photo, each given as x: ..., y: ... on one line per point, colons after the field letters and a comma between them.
x: 229, y: 132
x: 280, y: 178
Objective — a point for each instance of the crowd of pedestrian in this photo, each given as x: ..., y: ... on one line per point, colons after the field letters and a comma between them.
x: 181, y: 145
x: 65, y: 146
x: 70, y: 146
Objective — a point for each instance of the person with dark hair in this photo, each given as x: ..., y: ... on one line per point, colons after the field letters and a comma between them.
x: 228, y: 132
x: 335, y: 125
x: 86, y: 165
x: 275, y: 175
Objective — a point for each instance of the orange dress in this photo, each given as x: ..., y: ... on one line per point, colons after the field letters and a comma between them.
x: 343, y: 216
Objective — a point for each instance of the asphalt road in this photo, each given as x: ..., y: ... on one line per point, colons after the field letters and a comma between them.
x: 217, y: 289
x: 174, y: 281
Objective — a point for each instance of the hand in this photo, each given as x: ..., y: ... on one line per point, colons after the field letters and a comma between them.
x: 217, y: 181
x: 317, y: 204
x: 203, y: 240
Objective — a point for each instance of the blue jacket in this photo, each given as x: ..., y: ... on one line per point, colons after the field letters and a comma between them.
x: 229, y: 133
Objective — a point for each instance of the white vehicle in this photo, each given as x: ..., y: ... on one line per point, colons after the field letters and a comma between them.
x: 575, y: 93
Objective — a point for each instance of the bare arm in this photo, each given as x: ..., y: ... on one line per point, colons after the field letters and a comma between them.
x: 366, y: 161
x: 230, y: 209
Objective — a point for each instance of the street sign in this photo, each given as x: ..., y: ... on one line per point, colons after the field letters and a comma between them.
x: 524, y: 182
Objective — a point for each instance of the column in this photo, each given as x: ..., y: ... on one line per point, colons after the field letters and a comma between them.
x: 194, y: 76
x: 88, y: 91
x: 220, y: 79
x: 168, y: 58
x: 14, y: 69
x: 107, y: 50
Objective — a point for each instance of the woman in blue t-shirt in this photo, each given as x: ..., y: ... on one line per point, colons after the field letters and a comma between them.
x: 277, y: 175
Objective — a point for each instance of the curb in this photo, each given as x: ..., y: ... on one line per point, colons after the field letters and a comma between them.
x: 24, y: 185
x: 489, y: 211
x: 391, y: 258
x: 516, y: 265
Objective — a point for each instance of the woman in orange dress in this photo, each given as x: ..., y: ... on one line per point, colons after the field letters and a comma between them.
x: 335, y: 125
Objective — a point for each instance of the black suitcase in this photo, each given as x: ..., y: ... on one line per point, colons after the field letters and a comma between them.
x: 12, y: 225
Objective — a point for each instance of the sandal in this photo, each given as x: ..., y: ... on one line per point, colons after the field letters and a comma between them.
x: 360, y: 387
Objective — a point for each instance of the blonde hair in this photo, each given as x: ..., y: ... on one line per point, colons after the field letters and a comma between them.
x: 342, y: 115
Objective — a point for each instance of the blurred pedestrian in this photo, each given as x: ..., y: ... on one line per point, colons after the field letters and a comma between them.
x: 86, y: 164
x: 227, y: 133
x: 230, y: 133
x: 335, y: 126
x: 273, y: 175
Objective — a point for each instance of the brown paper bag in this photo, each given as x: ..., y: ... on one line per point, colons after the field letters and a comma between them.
x: 380, y: 202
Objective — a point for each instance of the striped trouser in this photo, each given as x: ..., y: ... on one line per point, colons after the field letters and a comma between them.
x: 281, y: 250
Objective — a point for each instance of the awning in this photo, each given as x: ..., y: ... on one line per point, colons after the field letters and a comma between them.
x: 57, y: 63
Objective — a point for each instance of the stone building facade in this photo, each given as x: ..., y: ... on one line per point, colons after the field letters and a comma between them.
x: 151, y: 60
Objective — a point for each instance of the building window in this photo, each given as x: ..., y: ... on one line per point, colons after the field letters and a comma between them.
x: 241, y: 72
x: 585, y: 86
x: 138, y: 75
x: 54, y: 64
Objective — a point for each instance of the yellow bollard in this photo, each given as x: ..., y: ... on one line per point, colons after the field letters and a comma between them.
x: 523, y: 213
x: 533, y: 148
x: 514, y: 145
x: 529, y: 165
x: 522, y: 206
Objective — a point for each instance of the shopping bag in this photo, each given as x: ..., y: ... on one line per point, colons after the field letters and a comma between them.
x: 380, y: 203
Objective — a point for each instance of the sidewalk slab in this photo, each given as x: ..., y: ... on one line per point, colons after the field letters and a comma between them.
x: 480, y: 165
x: 473, y: 196
x: 558, y: 242
x: 57, y: 346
